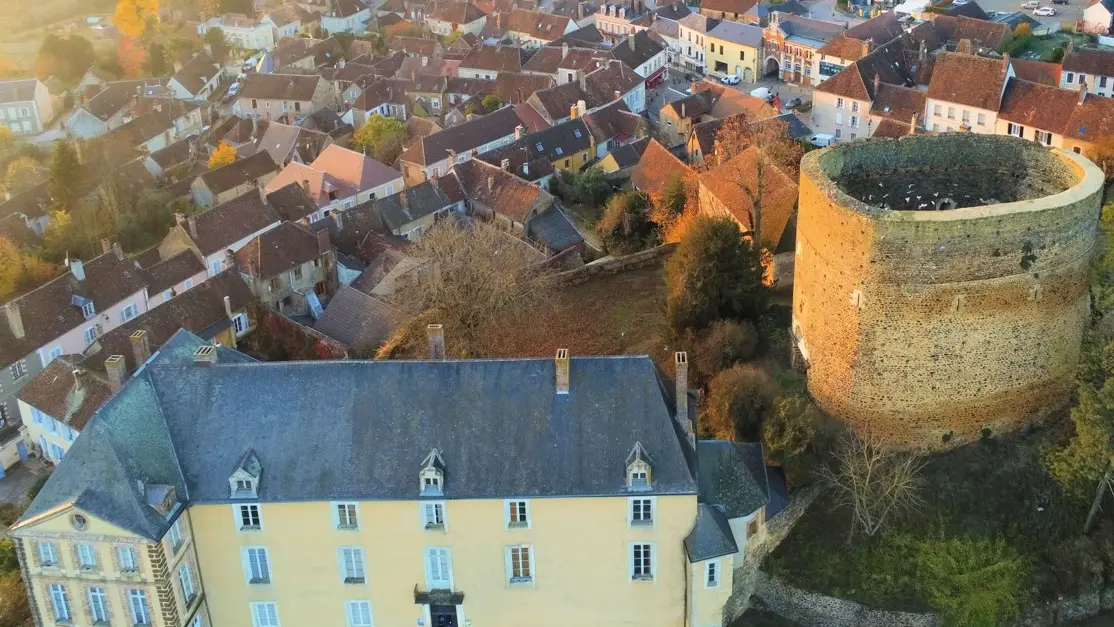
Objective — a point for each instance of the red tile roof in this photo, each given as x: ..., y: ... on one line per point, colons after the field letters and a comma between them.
x: 968, y: 80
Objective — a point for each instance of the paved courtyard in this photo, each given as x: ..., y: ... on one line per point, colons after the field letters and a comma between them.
x: 14, y: 485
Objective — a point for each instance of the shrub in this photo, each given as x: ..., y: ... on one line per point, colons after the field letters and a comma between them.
x: 714, y: 274
x: 971, y: 582
x: 9, y: 513
x: 724, y: 344
x: 739, y: 399
x: 1057, y: 54
x: 793, y: 438
x: 626, y: 226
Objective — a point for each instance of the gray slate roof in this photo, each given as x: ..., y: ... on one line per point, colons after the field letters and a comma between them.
x: 22, y: 90
x: 358, y: 320
x: 171, y: 425
x: 733, y: 475
x: 554, y: 229
x: 711, y: 536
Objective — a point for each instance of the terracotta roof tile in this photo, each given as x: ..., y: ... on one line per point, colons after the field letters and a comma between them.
x: 1093, y: 61
x: 494, y: 58
x: 656, y: 167
x: 779, y: 195
x: 280, y: 249
x: 968, y: 80
x: 1039, y: 106
x: 1037, y: 71
x: 66, y: 392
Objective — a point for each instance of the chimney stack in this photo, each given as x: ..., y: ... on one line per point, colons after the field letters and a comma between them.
x: 116, y: 369
x: 564, y: 50
x: 119, y: 252
x: 15, y: 320
x: 228, y: 307
x: 561, y: 362
x: 630, y: 40
x: 525, y: 169
x: 572, y: 112
x: 254, y: 127
x: 323, y: 244
x: 519, y: 131
x: 436, y: 335
x: 205, y: 355
x: 877, y: 80
x: 490, y: 183
x: 681, y: 366
x: 77, y: 269
x: 191, y: 223
x: 105, y: 246
x: 1082, y: 90
x: 337, y: 220
x: 505, y: 164
x: 141, y: 348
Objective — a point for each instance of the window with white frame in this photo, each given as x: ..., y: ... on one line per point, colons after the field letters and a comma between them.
x: 642, y: 561
x: 854, y: 121
x: 642, y: 511
x: 520, y: 564
x: 359, y: 613
x: 264, y: 614
x: 249, y: 517
x: 129, y: 560
x: 240, y: 324
x: 174, y: 535
x: 48, y: 554
x: 951, y: 113
x: 88, y: 310
x: 1043, y: 137
x: 518, y: 514
x: 433, y: 515
x: 346, y: 516
x: 137, y: 601
x: 839, y: 119
x: 937, y: 110
x: 352, y: 565
x: 855, y: 106
x: 966, y: 116
x: 981, y: 119
x: 839, y: 103
x: 1015, y: 129
x: 257, y: 565
x: 129, y: 312
x: 185, y: 579
x: 18, y: 370
x: 439, y: 568
x: 711, y: 574
x: 60, y: 602
x: 86, y: 556
x: 196, y: 622
x: 98, y: 605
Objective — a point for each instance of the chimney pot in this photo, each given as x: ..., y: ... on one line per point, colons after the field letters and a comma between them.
x: 105, y: 246
x: 141, y: 347
x: 15, y: 319
x: 436, y: 335
x: 191, y: 222
x: 118, y: 251
x: 77, y: 269
x: 116, y: 370
x: 228, y: 307
x: 561, y: 362
x: 205, y: 355
x: 505, y: 164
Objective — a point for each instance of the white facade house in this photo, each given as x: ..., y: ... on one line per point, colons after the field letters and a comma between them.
x: 346, y: 16
x: 25, y: 106
x: 241, y: 31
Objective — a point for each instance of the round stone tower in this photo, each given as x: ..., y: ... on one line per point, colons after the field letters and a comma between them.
x: 941, y: 283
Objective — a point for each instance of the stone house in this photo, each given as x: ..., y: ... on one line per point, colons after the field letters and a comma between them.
x: 414, y: 210
x: 221, y: 185
x: 225, y: 228
x: 283, y: 97
x: 111, y: 107
x: 345, y: 16
x: 534, y: 29
x: 339, y: 179
x: 435, y: 155
x: 165, y: 122
x: 453, y: 17
x: 487, y: 62
x: 290, y: 269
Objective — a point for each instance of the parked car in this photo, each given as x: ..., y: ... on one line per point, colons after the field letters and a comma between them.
x: 1059, y: 1
x: 959, y: 3
x: 1045, y: 12
x: 821, y: 140
x: 793, y: 103
x: 1031, y: 4
x: 730, y: 79
x: 764, y: 93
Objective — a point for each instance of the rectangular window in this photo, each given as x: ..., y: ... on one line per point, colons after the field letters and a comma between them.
x: 855, y: 106
x: 981, y: 120
x: 98, y: 605
x: 264, y: 615
x: 137, y: 600
x: 838, y: 133
x: 433, y: 515
x: 185, y: 579
x: 240, y: 324
x: 839, y: 103
x: 642, y: 512
x: 88, y: 310
x: 48, y: 554
x: 18, y: 370
x: 711, y: 574
x: 60, y: 601
x: 839, y: 119
x: 1070, y: 78
x: 215, y: 266
x: 1043, y: 137
x: 346, y: 517
x: 129, y: 312
x: 86, y: 556
x: 642, y: 562
x: 1102, y: 82
x: 359, y: 613
x: 257, y: 564
x: 937, y: 110
x: 1015, y: 129
x: 518, y: 514
x: 174, y: 535
x: 352, y: 565
x: 439, y: 568
x: 187, y: 284
x: 854, y: 121
x: 249, y: 518
x: 951, y: 113
x: 167, y: 295
x: 53, y: 354
x: 966, y: 116
x: 520, y: 565
x: 298, y: 273
x: 129, y: 561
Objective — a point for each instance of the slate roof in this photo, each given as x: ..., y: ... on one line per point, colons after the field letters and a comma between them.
x: 1092, y: 61
x: 170, y: 272
x: 968, y: 80
x: 33, y: 203
x: 170, y: 425
x: 494, y: 58
x: 115, y: 96
x: 280, y: 249
x: 197, y: 73
x: 239, y: 172
x: 413, y: 203
x: 299, y: 87
x: 612, y: 121
x: 48, y: 311
x: 553, y: 229
x: 358, y: 320
x: 698, y: 22
x: 559, y: 141
x: 639, y: 48
x: 521, y: 161
x: 693, y: 105
x: 628, y: 155
x: 463, y: 137
x: 981, y: 32
x: 585, y: 35
x: 19, y: 90
x: 743, y: 34
x: 344, y: 8
x: 178, y: 152
x: 291, y: 202
x: 880, y: 29
x: 807, y: 31
x: 66, y: 392
x: 419, y: 46
x: 732, y: 475
x: 711, y: 536
x: 232, y: 221
x: 673, y: 11
x: 155, y: 122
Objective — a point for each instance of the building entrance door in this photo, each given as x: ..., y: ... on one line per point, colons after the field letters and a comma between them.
x: 443, y: 615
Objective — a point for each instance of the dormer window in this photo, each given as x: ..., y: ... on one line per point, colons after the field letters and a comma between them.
x: 639, y: 472
x: 243, y: 483
x: 432, y: 475
x: 88, y: 310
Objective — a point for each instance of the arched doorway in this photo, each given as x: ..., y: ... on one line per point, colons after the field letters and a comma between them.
x: 771, y: 67
x: 748, y: 75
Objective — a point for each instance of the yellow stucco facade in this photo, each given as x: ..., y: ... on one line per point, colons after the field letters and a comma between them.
x: 725, y: 57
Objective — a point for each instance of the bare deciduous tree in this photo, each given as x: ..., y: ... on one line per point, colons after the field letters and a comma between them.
x: 874, y: 483
x: 472, y: 279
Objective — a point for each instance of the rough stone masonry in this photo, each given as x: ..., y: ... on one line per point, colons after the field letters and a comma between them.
x: 925, y: 322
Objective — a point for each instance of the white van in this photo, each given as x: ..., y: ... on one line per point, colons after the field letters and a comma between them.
x: 764, y: 93
x: 821, y: 140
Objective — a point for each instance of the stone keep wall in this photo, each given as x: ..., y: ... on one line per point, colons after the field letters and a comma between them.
x: 926, y: 327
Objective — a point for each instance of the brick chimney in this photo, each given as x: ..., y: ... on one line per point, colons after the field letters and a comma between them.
x: 116, y: 370
x: 681, y: 366
x: 141, y: 348
x: 323, y: 244
x: 435, y: 334
x: 119, y: 252
x: 191, y: 223
x: 561, y: 364
x: 877, y: 81
x: 105, y: 246
x: 15, y: 320
x: 1082, y: 90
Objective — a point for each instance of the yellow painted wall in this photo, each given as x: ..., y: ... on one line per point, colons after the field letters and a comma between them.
x: 707, y: 603
x: 581, y: 562
x: 730, y: 56
x: 575, y: 161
